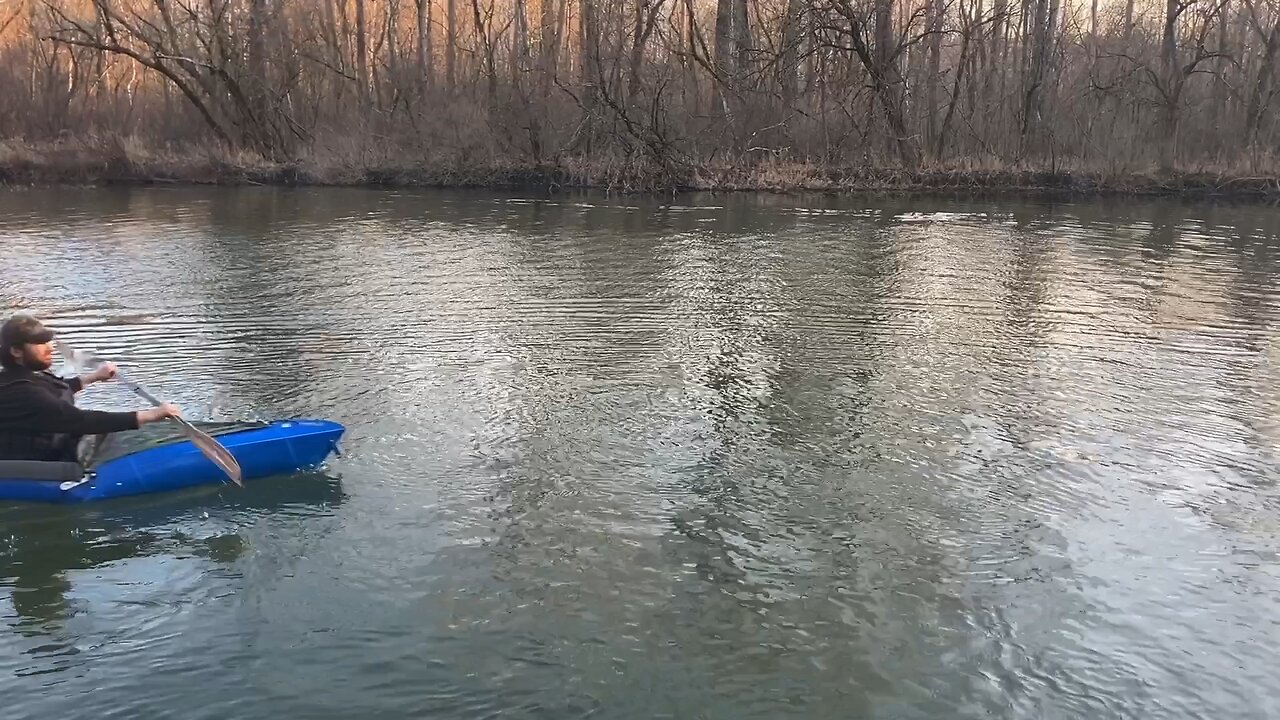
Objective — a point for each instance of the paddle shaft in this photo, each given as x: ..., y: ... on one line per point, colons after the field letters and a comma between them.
x: 137, y: 389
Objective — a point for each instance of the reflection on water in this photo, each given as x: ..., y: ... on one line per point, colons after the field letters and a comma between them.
x: 88, y: 582
x: 741, y: 456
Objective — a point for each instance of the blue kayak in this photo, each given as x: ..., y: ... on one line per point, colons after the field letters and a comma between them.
x: 274, y: 448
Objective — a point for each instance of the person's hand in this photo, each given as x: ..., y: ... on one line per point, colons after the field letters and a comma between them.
x: 158, y: 413
x: 105, y: 371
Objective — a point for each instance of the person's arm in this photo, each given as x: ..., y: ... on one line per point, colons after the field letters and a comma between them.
x: 105, y: 371
x: 40, y: 412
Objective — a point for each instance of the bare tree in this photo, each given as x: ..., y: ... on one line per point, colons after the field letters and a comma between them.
x: 669, y: 87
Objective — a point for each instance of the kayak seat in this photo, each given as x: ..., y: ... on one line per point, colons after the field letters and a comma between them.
x: 39, y: 470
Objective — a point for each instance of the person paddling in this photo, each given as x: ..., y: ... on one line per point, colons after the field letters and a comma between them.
x: 38, y: 416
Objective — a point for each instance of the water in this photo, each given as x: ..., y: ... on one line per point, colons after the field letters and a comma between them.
x: 719, y: 457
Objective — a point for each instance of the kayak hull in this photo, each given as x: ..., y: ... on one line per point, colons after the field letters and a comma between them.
x: 278, y: 448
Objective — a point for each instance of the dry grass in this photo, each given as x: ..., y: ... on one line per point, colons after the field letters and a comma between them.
x: 980, y: 178
x: 114, y: 160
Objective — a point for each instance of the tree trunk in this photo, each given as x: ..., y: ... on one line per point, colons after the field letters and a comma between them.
x: 485, y: 42
x: 933, y: 23
x: 588, y: 43
x: 362, y: 54
x: 451, y: 44
x: 882, y: 64
x: 1093, y: 24
x: 646, y: 21
x: 725, y: 60
x: 742, y: 41
x: 940, y: 151
x: 550, y: 27
x: 1261, y: 90
x: 993, y: 83
x: 424, y: 43
x: 393, y: 49
x: 588, y: 68
x: 692, y: 84
x: 520, y: 44
x: 255, y: 129
x: 1042, y: 36
x: 1172, y: 85
x: 636, y: 56
x: 792, y: 37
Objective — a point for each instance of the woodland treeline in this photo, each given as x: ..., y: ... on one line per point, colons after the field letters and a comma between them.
x: 658, y: 87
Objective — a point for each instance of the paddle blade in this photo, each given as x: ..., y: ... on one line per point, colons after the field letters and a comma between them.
x: 78, y: 361
x: 216, y: 453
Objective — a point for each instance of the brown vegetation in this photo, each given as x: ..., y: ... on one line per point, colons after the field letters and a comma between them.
x: 1174, y: 96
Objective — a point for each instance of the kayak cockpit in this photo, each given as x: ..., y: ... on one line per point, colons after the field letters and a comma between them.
x: 40, y: 470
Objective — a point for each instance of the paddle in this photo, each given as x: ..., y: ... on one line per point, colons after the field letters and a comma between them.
x: 211, y: 448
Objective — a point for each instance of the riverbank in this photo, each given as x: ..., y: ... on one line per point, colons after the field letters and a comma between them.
x: 126, y: 163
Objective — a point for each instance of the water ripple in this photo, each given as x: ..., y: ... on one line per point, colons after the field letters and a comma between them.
x: 746, y: 457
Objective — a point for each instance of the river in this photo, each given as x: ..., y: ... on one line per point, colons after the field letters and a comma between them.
x: 736, y: 456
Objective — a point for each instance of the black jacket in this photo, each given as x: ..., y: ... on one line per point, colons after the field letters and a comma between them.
x: 39, y: 419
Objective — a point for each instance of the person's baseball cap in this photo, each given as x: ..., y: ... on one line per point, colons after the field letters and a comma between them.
x: 22, y: 329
